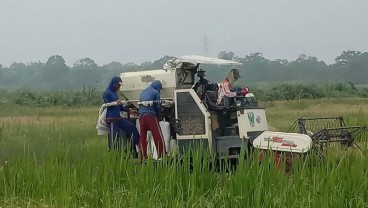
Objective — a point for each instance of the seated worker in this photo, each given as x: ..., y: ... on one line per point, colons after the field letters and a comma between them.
x: 113, y: 118
x: 202, y: 85
x: 225, y: 87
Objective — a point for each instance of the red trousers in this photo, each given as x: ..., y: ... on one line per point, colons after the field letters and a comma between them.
x: 279, y: 159
x: 150, y: 123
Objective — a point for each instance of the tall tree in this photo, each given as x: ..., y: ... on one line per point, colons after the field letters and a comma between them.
x: 346, y: 57
x: 146, y: 65
x: 55, y: 67
x: 85, y: 73
x: 254, y: 57
x: 114, y: 66
x: 35, y: 66
x: 226, y: 55
x: 85, y: 63
x: 17, y: 66
x: 130, y: 66
x: 357, y: 68
x: 55, y: 71
x: 158, y: 64
x: 282, y: 61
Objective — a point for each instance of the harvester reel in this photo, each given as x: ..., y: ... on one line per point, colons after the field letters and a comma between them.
x: 327, y: 130
x: 309, y: 133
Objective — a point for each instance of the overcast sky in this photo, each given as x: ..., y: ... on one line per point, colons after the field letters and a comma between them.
x: 139, y: 30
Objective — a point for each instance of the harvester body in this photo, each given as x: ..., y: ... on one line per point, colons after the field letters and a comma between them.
x: 197, y: 121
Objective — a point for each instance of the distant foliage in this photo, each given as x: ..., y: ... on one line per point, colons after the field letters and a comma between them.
x: 89, y: 96
x: 291, y: 92
x: 349, y: 67
x: 84, y: 97
x: 299, y: 91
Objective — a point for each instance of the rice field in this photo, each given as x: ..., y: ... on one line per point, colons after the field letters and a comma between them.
x: 52, y: 157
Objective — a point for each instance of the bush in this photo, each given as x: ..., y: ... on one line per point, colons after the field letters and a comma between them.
x: 298, y: 91
x: 84, y: 97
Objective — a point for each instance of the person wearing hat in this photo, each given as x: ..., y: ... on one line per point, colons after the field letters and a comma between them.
x: 113, y: 117
x: 202, y: 85
x: 148, y: 119
x: 225, y: 87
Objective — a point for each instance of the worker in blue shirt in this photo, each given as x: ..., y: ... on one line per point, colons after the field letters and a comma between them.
x: 113, y: 117
x: 148, y: 119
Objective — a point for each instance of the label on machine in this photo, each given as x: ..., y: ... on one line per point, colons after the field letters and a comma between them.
x: 284, y: 142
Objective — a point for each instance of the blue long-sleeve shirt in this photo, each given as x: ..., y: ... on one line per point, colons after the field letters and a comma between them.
x: 151, y: 93
x: 110, y: 95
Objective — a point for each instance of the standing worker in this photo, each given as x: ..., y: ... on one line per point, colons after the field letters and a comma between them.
x: 149, y: 111
x: 113, y: 118
x: 225, y: 87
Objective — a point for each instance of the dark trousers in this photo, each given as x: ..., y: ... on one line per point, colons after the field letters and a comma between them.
x: 150, y: 123
x: 129, y: 129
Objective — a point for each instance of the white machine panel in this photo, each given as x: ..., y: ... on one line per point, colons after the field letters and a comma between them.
x: 250, y: 120
x: 135, y: 82
x: 284, y: 142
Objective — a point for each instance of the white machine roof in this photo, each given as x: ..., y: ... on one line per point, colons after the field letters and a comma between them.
x: 207, y: 60
x: 194, y: 60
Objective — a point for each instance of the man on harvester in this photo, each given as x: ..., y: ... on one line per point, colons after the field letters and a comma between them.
x: 226, y: 90
x: 113, y: 117
x: 202, y: 85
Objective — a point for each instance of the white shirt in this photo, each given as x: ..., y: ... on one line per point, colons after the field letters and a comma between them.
x: 224, y: 90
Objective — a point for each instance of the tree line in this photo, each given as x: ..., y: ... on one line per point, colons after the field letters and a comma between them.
x: 349, y: 67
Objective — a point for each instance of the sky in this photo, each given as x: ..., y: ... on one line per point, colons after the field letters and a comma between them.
x: 146, y: 30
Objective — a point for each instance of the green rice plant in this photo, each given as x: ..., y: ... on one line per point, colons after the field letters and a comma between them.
x: 51, y: 157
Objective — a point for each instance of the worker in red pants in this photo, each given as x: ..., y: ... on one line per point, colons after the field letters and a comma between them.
x: 149, y: 111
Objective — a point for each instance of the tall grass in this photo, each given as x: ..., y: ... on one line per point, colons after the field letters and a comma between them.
x: 51, y: 157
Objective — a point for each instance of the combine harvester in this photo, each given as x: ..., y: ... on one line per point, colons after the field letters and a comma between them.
x: 192, y: 119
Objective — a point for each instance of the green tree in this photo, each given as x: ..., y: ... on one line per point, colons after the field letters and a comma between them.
x: 18, y: 66
x: 282, y: 61
x: 256, y: 67
x: 130, y: 66
x: 226, y: 55
x: 114, y: 66
x: 55, y: 72
x: 346, y: 57
x: 55, y: 68
x: 31, y: 75
x: 158, y: 64
x: 254, y: 57
x: 35, y: 66
x: 357, y: 69
x: 85, y: 72
x: 9, y: 78
x: 146, y: 65
x: 85, y: 64
x: 307, y: 69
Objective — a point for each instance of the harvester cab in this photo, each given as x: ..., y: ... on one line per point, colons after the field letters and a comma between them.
x: 197, y: 121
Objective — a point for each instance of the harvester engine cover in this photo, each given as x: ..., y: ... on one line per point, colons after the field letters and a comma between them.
x: 284, y: 142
